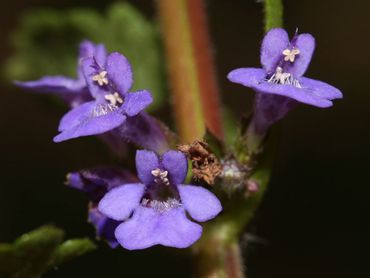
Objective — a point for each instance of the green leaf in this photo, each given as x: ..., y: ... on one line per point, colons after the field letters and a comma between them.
x: 46, y: 43
x: 34, y: 253
x: 71, y: 249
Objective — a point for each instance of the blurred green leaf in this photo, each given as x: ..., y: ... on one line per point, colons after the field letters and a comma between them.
x: 46, y: 43
x: 71, y: 249
x: 33, y: 253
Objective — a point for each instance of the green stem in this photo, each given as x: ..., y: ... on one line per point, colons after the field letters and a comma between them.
x: 218, y: 256
x: 205, y: 65
x: 273, y: 14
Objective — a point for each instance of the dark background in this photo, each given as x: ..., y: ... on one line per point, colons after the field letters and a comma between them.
x: 315, y: 217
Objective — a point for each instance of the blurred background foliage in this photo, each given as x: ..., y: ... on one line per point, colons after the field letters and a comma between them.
x: 38, y: 251
x: 46, y: 43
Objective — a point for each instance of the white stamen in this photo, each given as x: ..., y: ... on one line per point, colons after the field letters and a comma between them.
x: 101, y: 78
x: 290, y: 54
x: 114, y: 98
x: 161, y: 206
x: 103, y: 109
x: 160, y: 176
x: 284, y: 78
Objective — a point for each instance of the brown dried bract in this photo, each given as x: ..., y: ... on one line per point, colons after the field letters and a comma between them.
x: 205, y: 164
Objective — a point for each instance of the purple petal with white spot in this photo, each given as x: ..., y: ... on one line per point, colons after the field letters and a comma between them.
x: 135, y: 102
x: 274, y: 43
x: 201, y: 204
x: 104, y: 226
x: 148, y: 227
x: 176, y: 164
x: 119, y: 202
x: 303, y: 95
x: 254, y: 78
x: 82, y: 121
x: 119, y: 72
x: 306, y: 45
x: 146, y: 161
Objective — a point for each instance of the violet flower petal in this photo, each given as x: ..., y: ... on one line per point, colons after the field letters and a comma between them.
x: 119, y: 202
x: 200, y: 203
x: 104, y: 226
x: 75, y: 116
x: 90, y: 68
x: 86, y: 49
x: 306, y: 45
x: 146, y: 161
x: 53, y: 84
x: 97, y: 181
x: 100, y: 55
x: 273, y: 44
x: 119, y: 72
x: 81, y: 121
x: 269, y: 109
x: 145, y: 131
x: 248, y: 77
x: 304, y: 95
x: 255, y: 78
x: 321, y: 89
x: 176, y: 164
x: 135, y: 102
x: 148, y: 227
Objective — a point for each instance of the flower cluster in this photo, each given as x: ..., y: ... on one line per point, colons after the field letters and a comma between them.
x: 156, y: 207
x: 135, y: 215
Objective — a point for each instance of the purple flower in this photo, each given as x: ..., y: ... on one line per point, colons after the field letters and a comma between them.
x: 154, y: 211
x: 73, y: 91
x: 97, y: 106
x: 284, y: 63
x: 280, y: 84
x: 96, y: 183
x: 109, y: 82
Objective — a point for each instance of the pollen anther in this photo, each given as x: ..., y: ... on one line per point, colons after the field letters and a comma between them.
x: 290, y: 54
x: 114, y: 98
x: 101, y: 78
x: 160, y: 176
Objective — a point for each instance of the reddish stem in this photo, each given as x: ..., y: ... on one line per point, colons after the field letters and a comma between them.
x: 205, y: 66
